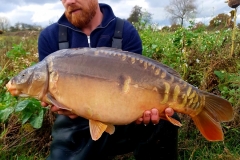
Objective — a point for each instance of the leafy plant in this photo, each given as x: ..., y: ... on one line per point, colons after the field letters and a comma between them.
x: 16, y: 52
x: 32, y: 111
x: 28, y: 110
x: 229, y: 85
x: 7, y: 103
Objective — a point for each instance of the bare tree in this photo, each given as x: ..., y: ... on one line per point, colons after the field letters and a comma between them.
x: 181, y: 10
x: 4, y: 23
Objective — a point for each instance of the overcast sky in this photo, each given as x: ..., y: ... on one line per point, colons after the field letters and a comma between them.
x: 44, y: 12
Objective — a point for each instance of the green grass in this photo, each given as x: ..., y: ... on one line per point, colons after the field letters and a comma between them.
x: 20, y: 156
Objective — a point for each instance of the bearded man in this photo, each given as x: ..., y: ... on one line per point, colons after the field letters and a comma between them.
x: 90, y: 24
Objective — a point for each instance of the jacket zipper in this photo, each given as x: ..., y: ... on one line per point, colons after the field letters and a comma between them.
x: 89, y: 41
x: 88, y: 37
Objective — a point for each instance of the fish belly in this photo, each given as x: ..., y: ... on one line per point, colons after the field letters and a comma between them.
x: 103, y: 100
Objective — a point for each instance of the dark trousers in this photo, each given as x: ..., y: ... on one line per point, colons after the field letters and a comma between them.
x: 72, y: 141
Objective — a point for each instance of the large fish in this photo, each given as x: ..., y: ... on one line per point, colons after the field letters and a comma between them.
x: 113, y: 87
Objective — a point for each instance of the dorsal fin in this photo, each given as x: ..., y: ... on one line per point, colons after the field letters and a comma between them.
x: 109, y: 49
x: 170, y: 70
x: 165, y: 67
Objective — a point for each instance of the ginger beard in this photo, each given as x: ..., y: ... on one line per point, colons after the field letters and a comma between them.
x: 83, y: 15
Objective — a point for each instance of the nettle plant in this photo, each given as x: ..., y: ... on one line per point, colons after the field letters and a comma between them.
x: 27, y: 110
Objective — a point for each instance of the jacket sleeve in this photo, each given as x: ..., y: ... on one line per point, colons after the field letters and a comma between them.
x: 131, y: 39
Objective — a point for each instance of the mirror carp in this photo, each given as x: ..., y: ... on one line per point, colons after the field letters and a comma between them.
x: 114, y: 87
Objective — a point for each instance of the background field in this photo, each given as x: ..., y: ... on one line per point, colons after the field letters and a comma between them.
x: 201, y: 56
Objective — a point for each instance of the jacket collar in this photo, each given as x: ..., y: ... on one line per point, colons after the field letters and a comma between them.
x: 108, y: 16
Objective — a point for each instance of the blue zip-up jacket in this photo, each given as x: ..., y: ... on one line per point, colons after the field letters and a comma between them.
x: 100, y: 37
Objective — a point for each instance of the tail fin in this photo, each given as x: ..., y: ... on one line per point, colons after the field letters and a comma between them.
x: 216, y: 110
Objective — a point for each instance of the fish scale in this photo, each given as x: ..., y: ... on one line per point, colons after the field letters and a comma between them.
x: 114, y: 87
x: 167, y: 94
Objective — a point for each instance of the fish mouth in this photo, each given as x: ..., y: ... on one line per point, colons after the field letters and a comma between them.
x: 12, y: 89
x: 23, y: 95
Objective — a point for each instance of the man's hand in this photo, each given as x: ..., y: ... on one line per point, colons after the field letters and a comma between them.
x: 153, y: 116
x: 60, y: 111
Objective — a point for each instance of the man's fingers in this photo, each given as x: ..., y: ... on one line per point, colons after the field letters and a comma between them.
x: 44, y: 104
x: 73, y: 116
x: 139, y: 121
x: 64, y: 112
x: 169, y: 111
x: 60, y: 111
x: 146, y: 117
x: 154, y: 116
x: 55, y: 109
x: 67, y: 113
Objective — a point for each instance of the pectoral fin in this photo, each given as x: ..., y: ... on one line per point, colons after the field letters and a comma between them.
x: 173, y: 121
x: 96, y: 129
x: 110, y: 129
x: 53, y: 101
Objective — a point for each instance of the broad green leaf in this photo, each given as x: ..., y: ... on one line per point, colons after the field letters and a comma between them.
x: 26, y: 116
x: 22, y: 105
x: 4, y: 114
x: 36, y: 120
x: 34, y: 106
